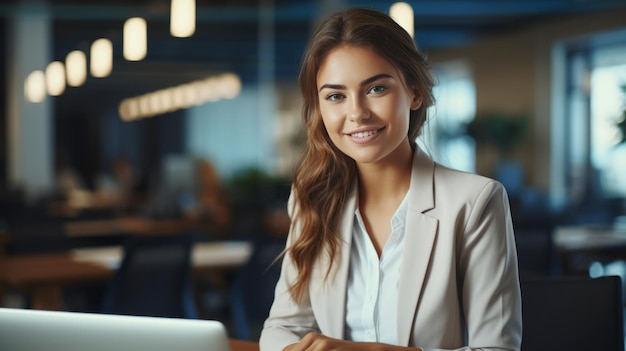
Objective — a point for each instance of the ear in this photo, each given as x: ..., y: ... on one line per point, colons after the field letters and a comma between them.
x: 416, y: 102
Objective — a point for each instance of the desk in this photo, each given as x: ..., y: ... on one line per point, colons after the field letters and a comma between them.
x: 241, y: 345
x: 4, y: 239
x: 589, y: 238
x: 205, y: 255
x: 43, y: 276
x: 125, y: 225
x: 595, y: 240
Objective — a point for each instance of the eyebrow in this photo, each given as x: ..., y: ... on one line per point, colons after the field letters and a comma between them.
x: 365, y: 82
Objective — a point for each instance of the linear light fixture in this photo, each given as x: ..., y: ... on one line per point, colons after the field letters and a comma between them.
x: 215, y: 88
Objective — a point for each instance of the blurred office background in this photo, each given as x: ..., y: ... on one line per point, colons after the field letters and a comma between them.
x: 204, y: 125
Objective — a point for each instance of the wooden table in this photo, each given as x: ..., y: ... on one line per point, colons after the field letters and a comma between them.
x: 43, y: 276
x: 205, y: 255
x: 4, y: 239
x: 241, y: 345
x: 126, y: 225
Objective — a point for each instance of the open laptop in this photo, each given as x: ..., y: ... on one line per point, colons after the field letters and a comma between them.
x: 32, y: 330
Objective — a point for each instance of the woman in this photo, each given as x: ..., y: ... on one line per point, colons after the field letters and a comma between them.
x: 387, y: 249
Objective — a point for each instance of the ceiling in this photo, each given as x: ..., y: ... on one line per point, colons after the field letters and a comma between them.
x: 228, y: 34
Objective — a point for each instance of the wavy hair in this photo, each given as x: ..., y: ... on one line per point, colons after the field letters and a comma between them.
x: 324, y: 178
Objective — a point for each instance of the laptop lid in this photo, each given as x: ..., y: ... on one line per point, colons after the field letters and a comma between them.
x: 32, y: 330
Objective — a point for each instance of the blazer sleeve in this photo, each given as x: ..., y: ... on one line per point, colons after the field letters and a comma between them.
x: 288, y: 321
x: 488, y: 274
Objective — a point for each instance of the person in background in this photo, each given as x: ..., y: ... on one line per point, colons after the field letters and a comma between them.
x: 118, y: 189
x: 211, y: 205
x: 387, y: 249
x: 67, y: 178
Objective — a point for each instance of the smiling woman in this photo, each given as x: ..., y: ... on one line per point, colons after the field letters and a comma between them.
x: 387, y: 249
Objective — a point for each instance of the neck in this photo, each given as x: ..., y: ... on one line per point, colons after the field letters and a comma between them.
x: 381, y: 183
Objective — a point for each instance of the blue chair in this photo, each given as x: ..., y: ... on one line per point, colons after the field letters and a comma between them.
x: 154, y: 279
x: 253, y: 288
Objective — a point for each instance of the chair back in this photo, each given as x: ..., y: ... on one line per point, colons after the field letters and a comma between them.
x: 535, y: 251
x: 253, y: 288
x: 38, y: 237
x: 154, y: 279
x: 572, y: 313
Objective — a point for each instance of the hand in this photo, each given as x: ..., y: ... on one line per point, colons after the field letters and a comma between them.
x: 319, y: 342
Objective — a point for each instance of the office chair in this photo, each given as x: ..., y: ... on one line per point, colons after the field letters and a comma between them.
x: 253, y: 288
x: 154, y: 279
x: 572, y: 313
x: 37, y: 237
x: 536, y: 253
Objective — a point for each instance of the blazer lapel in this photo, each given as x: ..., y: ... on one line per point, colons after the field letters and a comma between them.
x: 329, y: 298
x: 420, y: 236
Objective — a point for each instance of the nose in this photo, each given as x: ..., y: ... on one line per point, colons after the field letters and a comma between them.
x: 358, y: 110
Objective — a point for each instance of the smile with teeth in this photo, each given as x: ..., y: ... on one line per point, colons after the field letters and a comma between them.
x: 365, y: 134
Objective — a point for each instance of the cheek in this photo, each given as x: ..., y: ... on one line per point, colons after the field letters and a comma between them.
x: 330, y: 128
x: 330, y: 119
x: 402, y: 111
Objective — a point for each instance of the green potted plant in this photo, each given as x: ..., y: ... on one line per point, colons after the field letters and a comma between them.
x: 505, y: 133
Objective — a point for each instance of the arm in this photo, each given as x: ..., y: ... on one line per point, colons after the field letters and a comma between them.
x: 318, y: 342
x: 486, y: 271
x: 288, y: 321
x: 488, y: 275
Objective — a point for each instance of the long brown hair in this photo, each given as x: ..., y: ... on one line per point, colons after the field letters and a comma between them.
x: 323, y: 180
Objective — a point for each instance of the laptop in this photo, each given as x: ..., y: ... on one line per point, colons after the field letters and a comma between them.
x: 34, y: 330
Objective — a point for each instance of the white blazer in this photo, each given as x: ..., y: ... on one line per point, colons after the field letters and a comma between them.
x: 459, y: 285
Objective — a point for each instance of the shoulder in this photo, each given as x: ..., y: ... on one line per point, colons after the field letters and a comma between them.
x: 435, y: 187
x: 470, y: 206
x: 450, y: 185
x: 450, y: 177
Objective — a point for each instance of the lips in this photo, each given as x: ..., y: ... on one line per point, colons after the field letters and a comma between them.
x: 364, y: 136
x: 360, y: 135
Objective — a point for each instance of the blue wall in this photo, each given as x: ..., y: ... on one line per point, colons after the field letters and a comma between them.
x: 234, y: 134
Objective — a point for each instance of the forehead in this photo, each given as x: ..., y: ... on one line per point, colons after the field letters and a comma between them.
x: 348, y: 62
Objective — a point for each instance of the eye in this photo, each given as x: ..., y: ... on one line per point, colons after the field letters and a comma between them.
x: 334, y: 97
x: 377, y: 89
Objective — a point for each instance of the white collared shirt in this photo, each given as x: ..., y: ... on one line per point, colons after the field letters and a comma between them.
x: 372, y: 291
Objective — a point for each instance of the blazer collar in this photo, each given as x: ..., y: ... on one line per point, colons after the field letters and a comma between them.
x: 419, y: 239
x: 421, y: 191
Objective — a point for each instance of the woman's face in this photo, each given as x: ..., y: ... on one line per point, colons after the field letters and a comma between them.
x: 365, y: 105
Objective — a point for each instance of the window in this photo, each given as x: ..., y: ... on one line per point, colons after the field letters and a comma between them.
x: 608, y: 154
x: 455, y: 107
x: 594, y: 158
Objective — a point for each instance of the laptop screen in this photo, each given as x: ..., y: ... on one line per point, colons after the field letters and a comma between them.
x: 32, y: 330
